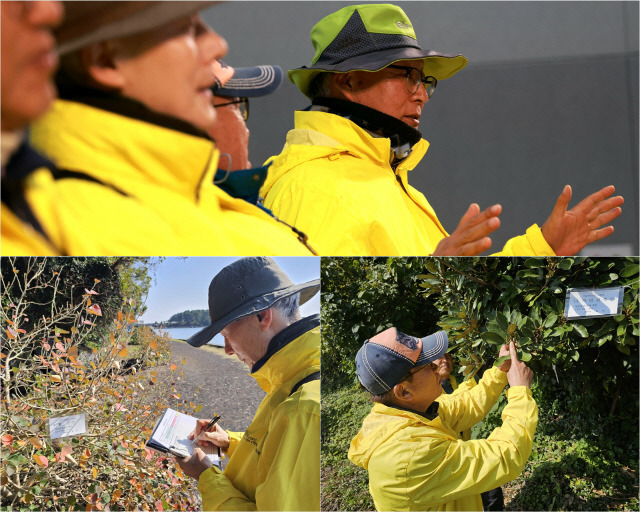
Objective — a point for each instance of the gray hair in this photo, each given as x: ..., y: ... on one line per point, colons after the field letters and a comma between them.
x: 320, y: 86
x: 289, y: 307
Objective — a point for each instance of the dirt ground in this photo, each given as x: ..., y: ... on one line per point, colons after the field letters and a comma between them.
x: 218, y: 382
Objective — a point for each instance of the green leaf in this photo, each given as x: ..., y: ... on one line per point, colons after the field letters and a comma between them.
x: 492, y: 337
x: 525, y: 356
x: 550, y: 320
x: 501, y: 360
x: 581, y: 330
x: 511, y: 329
x: 565, y: 263
x: 575, y: 356
x: 620, y: 330
x: 502, y: 321
x: 629, y: 270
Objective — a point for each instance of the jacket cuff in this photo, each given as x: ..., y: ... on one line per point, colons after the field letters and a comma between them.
x: 538, y: 242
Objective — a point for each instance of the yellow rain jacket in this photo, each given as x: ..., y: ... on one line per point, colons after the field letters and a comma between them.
x: 334, y: 181
x: 275, y: 464
x: 138, y: 186
x: 19, y: 237
x: 419, y: 462
x: 465, y: 386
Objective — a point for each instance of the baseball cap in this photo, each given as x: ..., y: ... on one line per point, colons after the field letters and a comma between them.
x: 251, y: 82
x: 385, y: 359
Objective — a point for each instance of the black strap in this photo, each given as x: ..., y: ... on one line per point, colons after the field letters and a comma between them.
x: 308, y: 378
x: 61, y: 174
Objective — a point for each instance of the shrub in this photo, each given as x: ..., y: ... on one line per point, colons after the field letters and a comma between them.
x: 47, y: 371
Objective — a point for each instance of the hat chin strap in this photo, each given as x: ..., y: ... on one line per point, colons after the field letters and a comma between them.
x: 403, y: 137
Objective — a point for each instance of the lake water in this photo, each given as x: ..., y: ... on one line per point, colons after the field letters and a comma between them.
x: 182, y: 333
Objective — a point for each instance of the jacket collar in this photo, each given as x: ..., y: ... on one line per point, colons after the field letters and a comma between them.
x: 290, y: 352
x: 348, y: 136
x: 402, y: 137
x: 124, y: 106
x: 133, y: 152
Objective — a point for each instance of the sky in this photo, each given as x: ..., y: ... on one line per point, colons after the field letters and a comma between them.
x: 182, y: 284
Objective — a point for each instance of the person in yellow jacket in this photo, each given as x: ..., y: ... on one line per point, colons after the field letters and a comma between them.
x: 492, y: 499
x: 342, y: 176
x: 28, y: 59
x: 275, y: 463
x: 410, y: 442
x: 128, y: 134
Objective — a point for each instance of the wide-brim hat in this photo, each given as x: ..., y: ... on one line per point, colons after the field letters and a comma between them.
x: 251, y: 82
x: 248, y: 286
x: 90, y: 22
x: 387, y: 357
x: 368, y: 38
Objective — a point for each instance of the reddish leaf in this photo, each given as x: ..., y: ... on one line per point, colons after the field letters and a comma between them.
x: 173, y: 367
x: 60, y: 346
x: 90, y: 292
x: 41, y: 460
x: 95, y: 310
x: 36, y: 441
x: 159, y: 505
x: 7, y: 439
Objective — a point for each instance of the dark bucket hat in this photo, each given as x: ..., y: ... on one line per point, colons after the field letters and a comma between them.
x: 251, y: 82
x: 88, y: 22
x: 369, y: 37
x: 246, y: 287
x: 385, y: 359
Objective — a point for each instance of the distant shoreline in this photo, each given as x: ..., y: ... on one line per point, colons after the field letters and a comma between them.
x: 214, y: 348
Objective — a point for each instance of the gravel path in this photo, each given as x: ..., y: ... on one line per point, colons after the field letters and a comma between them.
x: 218, y: 382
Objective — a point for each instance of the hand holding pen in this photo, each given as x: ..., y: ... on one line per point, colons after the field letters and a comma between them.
x: 205, y: 429
x: 218, y: 437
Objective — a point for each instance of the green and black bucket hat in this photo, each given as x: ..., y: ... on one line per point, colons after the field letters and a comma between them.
x: 369, y: 37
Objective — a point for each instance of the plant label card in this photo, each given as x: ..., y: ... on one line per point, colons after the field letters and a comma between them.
x: 171, y: 434
x: 593, y: 302
x: 67, y: 426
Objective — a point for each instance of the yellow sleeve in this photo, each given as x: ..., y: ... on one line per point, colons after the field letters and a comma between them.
x: 464, y: 409
x: 532, y: 243
x: 289, y: 469
x: 449, y: 470
x: 234, y: 439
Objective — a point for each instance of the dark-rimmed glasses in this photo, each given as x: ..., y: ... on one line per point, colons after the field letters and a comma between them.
x: 415, y: 78
x: 432, y: 365
x: 244, y: 106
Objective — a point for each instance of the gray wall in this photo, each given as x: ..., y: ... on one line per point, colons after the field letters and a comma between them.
x: 549, y: 97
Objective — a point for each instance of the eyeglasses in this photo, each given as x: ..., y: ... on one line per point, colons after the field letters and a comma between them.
x: 244, y: 106
x: 433, y: 366
x: 415, y: 78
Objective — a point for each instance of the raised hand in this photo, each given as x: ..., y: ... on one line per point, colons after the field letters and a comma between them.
x: 519, y: 374
x: 569, y: 231
x: 471, y: 236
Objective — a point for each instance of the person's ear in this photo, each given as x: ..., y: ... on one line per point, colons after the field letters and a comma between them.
x: 100, y: 61
x: 265, y: 318
x: 344, y: 85
x: 402, y: 391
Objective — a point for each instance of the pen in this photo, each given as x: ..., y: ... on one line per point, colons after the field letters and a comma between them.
x: 211, y: 424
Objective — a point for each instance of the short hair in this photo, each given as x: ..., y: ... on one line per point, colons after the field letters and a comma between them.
x: 289, y: 306
x: 73, y: 72
x: 388, y: 398
x: 320, y: 85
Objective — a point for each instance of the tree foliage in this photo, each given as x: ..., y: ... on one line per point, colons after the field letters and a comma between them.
x: 486, y: 301
x: 190, y: 318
